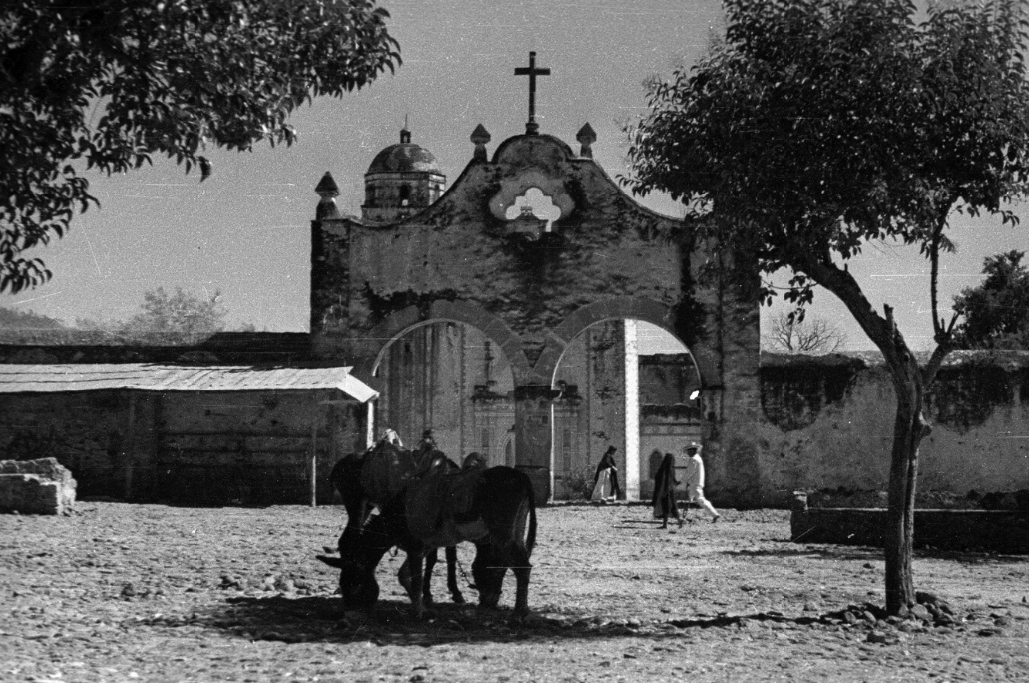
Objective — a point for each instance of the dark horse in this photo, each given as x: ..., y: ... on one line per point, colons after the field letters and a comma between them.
x: 499, y: 517
x: 371, y: 479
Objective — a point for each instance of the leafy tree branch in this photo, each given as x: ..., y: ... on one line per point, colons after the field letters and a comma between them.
x: 106, y: 84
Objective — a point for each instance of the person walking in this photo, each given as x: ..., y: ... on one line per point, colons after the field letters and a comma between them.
x: 664, y: 501
x: 605, y: 480
x: 695, y: 480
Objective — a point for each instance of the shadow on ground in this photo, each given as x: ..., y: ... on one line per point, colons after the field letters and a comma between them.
x: 835, y: 553
x: 319, y: 619
x: 870, y: 553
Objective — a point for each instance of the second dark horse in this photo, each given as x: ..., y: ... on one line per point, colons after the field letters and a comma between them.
x: 363, y: 489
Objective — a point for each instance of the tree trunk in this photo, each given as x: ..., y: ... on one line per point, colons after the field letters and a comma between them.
x: 908, y: 430
x: 909, y: 426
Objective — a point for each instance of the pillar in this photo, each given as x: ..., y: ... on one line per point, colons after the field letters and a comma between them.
x: 632, y: 411
x: 534, y: 436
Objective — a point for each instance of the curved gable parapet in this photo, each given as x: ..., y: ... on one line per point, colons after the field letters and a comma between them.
x: 532, y: 150
x: 589, y: 199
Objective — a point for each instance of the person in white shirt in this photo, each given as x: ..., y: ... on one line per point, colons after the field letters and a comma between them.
x: 695, y: 480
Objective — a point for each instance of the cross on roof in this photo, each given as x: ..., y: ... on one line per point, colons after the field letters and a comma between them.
x: 531, y: 128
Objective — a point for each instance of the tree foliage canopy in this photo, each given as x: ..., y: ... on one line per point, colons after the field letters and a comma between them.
x: 105, y: 84
x: 996, y: 312
x: 819, y: 125
x: 166, y: 319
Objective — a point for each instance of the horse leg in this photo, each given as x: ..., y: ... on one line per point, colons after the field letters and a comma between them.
x: 404, y: 576
x: 431, y: 558
x: 455, y: 592
x: 522, y: 569
x: 416, y: 558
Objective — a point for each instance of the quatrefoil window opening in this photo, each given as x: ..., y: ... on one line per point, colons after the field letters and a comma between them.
x: 534, y: 203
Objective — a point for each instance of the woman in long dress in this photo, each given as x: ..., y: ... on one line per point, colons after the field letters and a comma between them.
x: 605, y: 480
x: 664, y: 500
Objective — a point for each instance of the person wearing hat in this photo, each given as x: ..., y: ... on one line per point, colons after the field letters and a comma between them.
x: 428, y: 440
x: 695, y: 480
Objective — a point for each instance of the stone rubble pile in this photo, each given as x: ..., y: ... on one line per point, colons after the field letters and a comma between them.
x: 36, y: 487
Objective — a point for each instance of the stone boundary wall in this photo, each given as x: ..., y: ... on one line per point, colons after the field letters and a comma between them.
x: 36, y: 487
x: 1002, y: 531
x: 826, y: 422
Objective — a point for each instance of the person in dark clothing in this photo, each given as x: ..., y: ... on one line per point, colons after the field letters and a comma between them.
x: 664, y: 501
x: 605, y: 480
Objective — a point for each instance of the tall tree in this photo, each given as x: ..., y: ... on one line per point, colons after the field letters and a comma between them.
x: 818, y: 126
x: 996, y: 312
x: 166, y: 319
x: 791, y: 333
x: 105, y: 84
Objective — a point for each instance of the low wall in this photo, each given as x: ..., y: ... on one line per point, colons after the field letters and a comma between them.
x: 827, y: 422
x: 1003, y: 531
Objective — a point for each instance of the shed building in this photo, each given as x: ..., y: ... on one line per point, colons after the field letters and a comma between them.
x: 189, y: 434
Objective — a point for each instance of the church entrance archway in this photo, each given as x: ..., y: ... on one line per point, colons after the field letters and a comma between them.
x: 626, y: 383
x: 450, y: 378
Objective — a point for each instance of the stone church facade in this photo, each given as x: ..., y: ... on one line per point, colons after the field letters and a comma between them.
x: 513, y: 334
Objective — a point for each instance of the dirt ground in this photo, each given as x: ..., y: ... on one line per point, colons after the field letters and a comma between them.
x: 120, y: 592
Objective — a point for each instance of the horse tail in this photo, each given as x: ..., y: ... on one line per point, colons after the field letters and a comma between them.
x: 530, y: 541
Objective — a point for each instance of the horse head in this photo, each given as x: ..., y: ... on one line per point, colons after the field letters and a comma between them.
x: 357, y: 584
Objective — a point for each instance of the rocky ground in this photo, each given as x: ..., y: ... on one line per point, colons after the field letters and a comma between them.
x: 121, y: 592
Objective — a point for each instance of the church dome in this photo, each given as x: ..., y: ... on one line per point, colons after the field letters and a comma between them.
x: 404, y: 157
x: 402, y: 180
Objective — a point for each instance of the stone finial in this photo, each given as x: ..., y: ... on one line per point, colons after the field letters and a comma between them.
x: 328, y: 191
x: 327, y: 186
x: 586, y: 137
x: 480, y: 136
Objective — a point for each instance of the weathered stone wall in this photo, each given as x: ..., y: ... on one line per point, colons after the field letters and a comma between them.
x: 827, y: 422
x: 252, y: 447
x: 667, y: 379
x: 85, y: 431
x: 194, y: 447
x: 732, y: 455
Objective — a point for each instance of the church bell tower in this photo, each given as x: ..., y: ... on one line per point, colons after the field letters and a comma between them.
x: 403, y: 179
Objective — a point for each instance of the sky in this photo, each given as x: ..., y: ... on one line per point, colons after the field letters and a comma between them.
x: 244, y: 232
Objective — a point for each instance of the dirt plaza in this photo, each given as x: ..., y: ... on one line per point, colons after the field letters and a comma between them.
x: 119, y: 592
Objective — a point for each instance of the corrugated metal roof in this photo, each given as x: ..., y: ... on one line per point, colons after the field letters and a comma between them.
x: 153, y: 377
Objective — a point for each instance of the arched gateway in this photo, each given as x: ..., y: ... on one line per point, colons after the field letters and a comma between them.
x: 531, y: 287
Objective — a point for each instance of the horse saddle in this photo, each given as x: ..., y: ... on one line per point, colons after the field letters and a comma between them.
x: 385, y: 472
x: 439, y: 507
